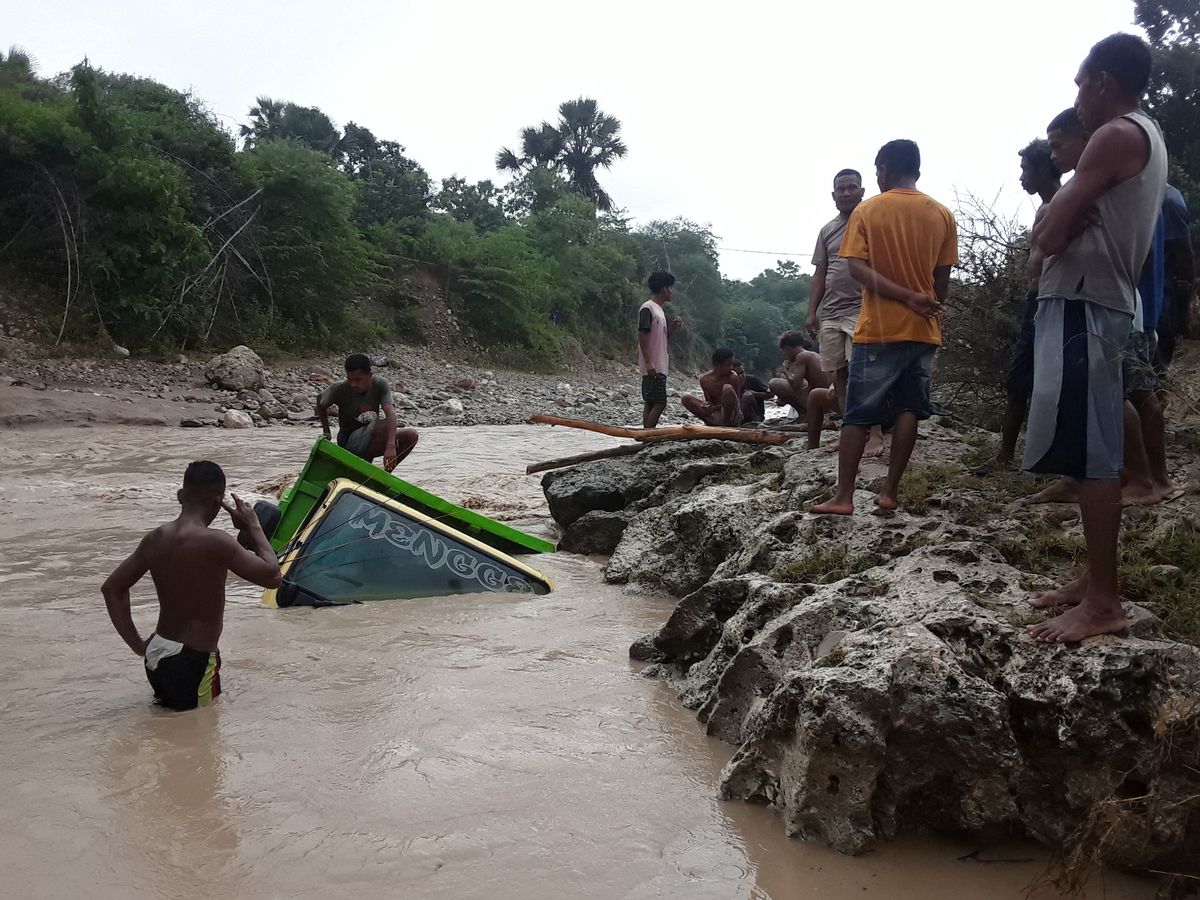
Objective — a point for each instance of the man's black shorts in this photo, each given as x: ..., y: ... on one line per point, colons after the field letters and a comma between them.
x: 1020, y: 374
x: 654, y: 389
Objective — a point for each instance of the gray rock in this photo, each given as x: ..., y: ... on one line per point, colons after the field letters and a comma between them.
x: 451, y: 406
x: 241, y: 369
x: 598, y: 531
x: 402, y: 401
x: 235, y: 418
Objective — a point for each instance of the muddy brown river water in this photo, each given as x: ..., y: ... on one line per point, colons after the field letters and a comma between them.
x: 485, y: 746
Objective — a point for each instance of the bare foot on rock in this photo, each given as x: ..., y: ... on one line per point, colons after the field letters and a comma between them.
x: 834, y: 507
x: 1065, y: 490
x: 1069, y: 594
x: 834, y: 447
x: 1140, y: 495
x: 886, y: 503
x: 1082, y: 621
x: 874, y: 448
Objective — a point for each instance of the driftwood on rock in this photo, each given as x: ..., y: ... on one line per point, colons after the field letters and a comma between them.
x: 671, y: 433
x: 563, y: 462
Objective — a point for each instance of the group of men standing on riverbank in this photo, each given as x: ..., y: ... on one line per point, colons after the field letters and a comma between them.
x: 1087, y: 358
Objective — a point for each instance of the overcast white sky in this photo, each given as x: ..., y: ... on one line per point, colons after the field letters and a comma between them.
x: 736, y: 114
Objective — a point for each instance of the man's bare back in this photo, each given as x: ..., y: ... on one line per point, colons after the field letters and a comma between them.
x: 188, y: 562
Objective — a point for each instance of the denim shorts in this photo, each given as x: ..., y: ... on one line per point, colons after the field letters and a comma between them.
x: 886, y: 380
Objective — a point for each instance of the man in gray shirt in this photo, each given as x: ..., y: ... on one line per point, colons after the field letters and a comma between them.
x: 366, y: 416
x: 838, y: 299
x: 1095, y: 234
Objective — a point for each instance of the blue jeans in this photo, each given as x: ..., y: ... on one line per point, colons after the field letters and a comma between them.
x: 886, y: 380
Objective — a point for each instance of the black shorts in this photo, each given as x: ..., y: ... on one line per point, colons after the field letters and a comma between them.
x: 186, y: 680
x: 654, y: 389
x: 1019, y: 380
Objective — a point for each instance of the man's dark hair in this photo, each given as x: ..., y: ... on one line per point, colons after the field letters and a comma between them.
x: 1067, y: 122
x: 721, y: 354
x: 1037, y: 152
x: 1126, y: 57
x: 842, y: 174
x: 358, y: 362
x: 901, y: 158
x: 203, y: 476
x: 660, y: 280
x: 793, y: 339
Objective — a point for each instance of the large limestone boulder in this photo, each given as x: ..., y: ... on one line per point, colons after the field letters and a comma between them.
x: 875, y: 673
x: 241, y: 369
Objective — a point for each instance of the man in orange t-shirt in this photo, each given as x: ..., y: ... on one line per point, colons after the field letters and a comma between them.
x: 900, y: 246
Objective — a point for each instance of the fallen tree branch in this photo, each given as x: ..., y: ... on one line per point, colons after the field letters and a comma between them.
x: 672, y: 433
x: 563, y: 462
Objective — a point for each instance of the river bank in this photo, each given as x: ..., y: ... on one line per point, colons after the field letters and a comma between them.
x: 874, y: 674
x: 484, y: 746
x: 39, y: 388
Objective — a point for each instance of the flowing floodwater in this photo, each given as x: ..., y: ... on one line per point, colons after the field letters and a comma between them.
x: 479, y: 746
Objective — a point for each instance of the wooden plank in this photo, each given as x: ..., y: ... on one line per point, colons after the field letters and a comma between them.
x: 670, y: 433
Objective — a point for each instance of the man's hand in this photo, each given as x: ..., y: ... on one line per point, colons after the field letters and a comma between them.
x: 325, y: 433
x: 390, y: 457
x: 676, y: 324
x: 811, y: 324
x: 924, y: 305
x: 652, y: 372
x: 242, y: 515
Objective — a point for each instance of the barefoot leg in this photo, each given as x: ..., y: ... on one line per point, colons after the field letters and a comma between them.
x: 874, y: 444
x: 1065, y: 490
x: 1137, y: 488
x: 854, y: 439
x: 904, y: 438
x: 1067, y: 595
x: 1100, y: 610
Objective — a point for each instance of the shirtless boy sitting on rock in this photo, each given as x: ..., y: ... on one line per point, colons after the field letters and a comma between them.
x: 723, y: 403
x: 188, y: 562
x: 801, y: 373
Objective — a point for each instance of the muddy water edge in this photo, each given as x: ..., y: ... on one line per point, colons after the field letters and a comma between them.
x: 481, y: 746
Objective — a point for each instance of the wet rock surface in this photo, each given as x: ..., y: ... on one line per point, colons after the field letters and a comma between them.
x: 874, y: 672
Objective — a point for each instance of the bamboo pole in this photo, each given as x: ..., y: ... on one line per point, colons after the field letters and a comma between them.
x: 670, y: 433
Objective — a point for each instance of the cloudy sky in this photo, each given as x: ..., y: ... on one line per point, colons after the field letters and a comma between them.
x: 735, y: 114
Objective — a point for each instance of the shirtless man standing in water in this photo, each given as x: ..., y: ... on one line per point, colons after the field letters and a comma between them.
x: 188, y: 562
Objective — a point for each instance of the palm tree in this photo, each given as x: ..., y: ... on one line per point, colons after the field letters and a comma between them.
x: 277, y: 120
x: 584, y: 139
x: 265, y: 116
x: 17, y: 67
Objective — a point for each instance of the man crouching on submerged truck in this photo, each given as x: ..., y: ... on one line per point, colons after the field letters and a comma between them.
x: 366, y: 416
x: 188, y: 562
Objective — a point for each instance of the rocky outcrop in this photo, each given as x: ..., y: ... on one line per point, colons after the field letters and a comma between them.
x: 874, y: 672
x: 241, y: 369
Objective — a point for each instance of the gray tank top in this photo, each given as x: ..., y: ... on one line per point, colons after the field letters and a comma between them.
x: 1102, y: 264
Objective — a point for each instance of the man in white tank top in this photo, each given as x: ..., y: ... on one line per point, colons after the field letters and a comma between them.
x: 1095, y: 234
x: 653, y: 332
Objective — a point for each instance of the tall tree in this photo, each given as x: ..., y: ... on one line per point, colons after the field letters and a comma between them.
x: 276, y: 120
x: 1173, y: 27
x: 584, y: 140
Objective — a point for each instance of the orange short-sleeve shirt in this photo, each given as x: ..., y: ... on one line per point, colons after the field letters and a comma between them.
x: 904, y: 235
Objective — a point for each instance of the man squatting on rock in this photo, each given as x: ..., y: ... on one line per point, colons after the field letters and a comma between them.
x: 188, y: 562
x: 653, y: 334
x: 366, y: 416
x: 724, y: 401
x: 834, y: 305
x: 900, y: 246
x: 1096, y: 233
x: 801, y: 373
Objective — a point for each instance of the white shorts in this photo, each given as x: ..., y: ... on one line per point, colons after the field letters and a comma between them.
x: 836, y: 338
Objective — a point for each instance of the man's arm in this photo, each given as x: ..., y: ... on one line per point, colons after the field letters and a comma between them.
x: 1110, y: 152
x: 389, y: 423
x: 816, y: 291
x: 259, y: 567
x: 323, y: 404
x: 116, y: 596
x: 941, y: 283
x: 923, y: 304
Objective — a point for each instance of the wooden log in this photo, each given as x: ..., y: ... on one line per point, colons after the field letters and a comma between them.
x: 670, y: 433
x: 623, y: 450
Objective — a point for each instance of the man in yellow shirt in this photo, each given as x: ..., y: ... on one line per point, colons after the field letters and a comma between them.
x: 900, y: 246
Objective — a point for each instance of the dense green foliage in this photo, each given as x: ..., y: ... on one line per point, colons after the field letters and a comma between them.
x: 1173, y: 27
x: 150, y: 223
